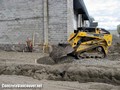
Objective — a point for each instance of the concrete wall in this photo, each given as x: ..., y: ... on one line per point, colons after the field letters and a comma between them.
x: 19, y: 19
x: 22, y: 19
x: 57, y: 21
x: 62, y: 20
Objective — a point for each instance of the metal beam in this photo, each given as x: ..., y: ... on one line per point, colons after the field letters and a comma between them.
x: 80, y: 7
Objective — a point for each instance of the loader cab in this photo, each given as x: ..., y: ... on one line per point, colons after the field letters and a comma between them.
x: 88, y: 29
x: 92, y: 30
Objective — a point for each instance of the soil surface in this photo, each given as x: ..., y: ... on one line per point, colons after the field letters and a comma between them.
x: 54, y: 85
x: 67, y: 74
x: 19, y: 57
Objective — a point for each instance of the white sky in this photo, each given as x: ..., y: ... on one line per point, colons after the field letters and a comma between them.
x: 105, y: 12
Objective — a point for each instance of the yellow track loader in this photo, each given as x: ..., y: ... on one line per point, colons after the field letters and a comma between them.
x: 90, y: 42
x: 84, y: 43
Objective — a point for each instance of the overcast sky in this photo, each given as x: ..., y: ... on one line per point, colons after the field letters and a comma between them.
x: 105, y: 12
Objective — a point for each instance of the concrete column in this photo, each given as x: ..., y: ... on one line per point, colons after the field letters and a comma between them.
x: 45, y: 21
x: 87, y: 23
x: 80, y: 23
x: 45, y: 47
x: 79, y: 20
x: 84, y: 23
x: 70, y: 18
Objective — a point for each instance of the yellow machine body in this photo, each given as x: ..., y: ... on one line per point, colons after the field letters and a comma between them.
x: 90, y: 39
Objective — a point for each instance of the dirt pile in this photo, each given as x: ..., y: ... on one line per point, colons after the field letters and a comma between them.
x: 65, y: 72
x: 116, y: 39
x: 58, y: 55
x: 114, y: 50
x: 84, y: 74
x: 49, y: 61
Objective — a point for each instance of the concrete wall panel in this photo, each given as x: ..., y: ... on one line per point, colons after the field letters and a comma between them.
x: 71, y: 18
x: 57, y: 21
x: 14, y: 32
x: 19, y: 19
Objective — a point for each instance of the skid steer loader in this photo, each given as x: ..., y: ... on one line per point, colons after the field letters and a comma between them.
x: 84, y: 43
x: 90, y: 42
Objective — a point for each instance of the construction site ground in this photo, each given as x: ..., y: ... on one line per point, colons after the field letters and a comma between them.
x: 69, y: 74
